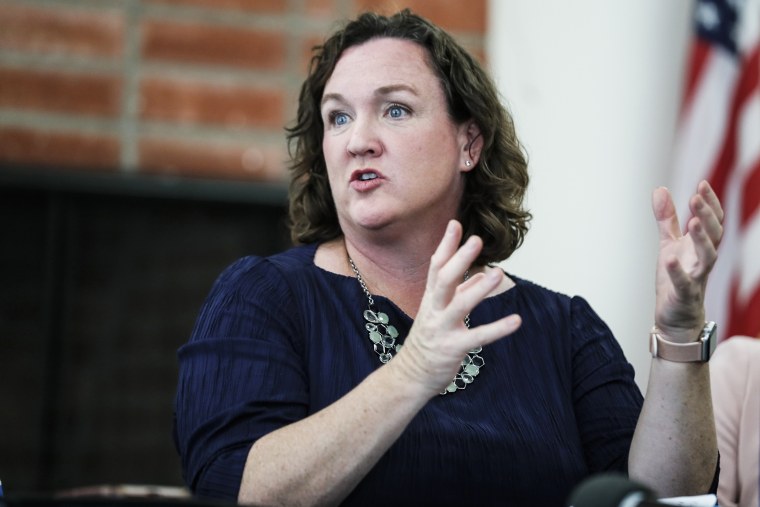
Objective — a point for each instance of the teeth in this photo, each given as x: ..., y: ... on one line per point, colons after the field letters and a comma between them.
x: 368, y: 176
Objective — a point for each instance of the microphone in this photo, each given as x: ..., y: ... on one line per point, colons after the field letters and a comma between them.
x: 611, y: 490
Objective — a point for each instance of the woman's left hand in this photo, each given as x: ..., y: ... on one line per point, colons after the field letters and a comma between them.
x: 685, y: 260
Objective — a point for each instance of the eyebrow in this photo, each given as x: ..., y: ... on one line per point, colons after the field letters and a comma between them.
x: 380, y: 92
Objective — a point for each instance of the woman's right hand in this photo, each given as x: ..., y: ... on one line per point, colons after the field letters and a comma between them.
x: 439, y: 338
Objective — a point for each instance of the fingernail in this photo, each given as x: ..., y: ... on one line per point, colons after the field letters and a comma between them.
x: 450, y: 227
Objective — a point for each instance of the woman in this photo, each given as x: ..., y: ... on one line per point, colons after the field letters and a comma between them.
x: 407, y: 181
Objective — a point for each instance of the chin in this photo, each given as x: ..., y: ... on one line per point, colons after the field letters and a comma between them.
x: 372, y: 221
x: 372, y: 225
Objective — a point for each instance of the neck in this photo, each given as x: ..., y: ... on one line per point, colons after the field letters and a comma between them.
x: 396, y: 270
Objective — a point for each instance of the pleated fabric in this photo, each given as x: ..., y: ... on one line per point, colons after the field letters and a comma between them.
x: 279, y: 338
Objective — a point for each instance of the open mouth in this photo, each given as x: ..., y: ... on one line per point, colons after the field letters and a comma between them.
x: 366, y: 175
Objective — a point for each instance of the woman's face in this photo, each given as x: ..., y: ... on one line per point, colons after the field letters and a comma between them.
x: 393, y: 154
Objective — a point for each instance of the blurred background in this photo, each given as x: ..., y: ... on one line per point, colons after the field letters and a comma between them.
x: 142, y: 151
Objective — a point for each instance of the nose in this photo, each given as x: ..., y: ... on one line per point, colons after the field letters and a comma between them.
x: 364, y: 140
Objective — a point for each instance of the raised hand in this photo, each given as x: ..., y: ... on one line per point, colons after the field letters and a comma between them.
x: 685, y: 260
x: 439, y: 339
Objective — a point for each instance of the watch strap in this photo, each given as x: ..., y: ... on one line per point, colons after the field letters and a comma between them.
x: 698, y: 351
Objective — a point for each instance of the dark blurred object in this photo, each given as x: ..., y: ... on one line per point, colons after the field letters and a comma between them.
x: 101, y: 278
x: 124, y: 495
x: 611, y: 490
x: 126, y: 491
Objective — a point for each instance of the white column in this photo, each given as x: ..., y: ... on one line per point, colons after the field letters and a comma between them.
x: 594, y: 86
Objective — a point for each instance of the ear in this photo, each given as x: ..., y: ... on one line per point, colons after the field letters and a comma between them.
x: 471, y: 141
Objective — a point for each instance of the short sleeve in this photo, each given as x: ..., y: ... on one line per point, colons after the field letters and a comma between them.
x: 606, y: 398
x: 241, y: 376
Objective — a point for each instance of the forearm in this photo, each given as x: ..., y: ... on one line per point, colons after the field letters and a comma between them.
x: 320, y: 459
x: 674, y: 447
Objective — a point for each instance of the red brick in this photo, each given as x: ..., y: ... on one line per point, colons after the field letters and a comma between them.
x: 61, y: 30
x: 263, y: 6
x: 204, y: 102
x: 213, y: 161
x: 321, y: 8
x: 57, y: 149
x: 454, y: 15
x: 212, y: 45
x: 60, y: 92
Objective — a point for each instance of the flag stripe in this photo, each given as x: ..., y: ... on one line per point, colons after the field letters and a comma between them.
x: 744, y: 318
x: 746, y: 86
x: 751, y: 194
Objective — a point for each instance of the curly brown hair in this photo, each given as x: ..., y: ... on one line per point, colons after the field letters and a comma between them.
x: 492, y: 203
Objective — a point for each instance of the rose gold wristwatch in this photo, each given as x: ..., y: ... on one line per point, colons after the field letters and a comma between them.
x: 694, y: 352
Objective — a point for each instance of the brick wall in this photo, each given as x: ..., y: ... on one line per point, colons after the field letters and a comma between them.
x: 196, y: 88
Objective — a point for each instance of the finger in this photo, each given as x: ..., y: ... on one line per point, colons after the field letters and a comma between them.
x: 682, y: 282
x: 469, y: 294
x: 448, y: 244
x: 708, y: 194
x: 471, y: 280
x: 707, y: 219
x: 445, y: 249
x: 446, y: 280
x: 453, y: 272
x: 704, y: 246
x: 488, y: 333
x: 665, y: 214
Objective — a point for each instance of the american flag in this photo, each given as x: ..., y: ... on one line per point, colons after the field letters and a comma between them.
x: 718, y: 139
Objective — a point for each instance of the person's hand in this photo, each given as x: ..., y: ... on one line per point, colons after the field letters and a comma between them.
x: 439, y: 339
x: 684, y: 261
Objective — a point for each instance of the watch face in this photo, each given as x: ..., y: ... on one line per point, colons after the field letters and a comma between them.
x: 709, y: 339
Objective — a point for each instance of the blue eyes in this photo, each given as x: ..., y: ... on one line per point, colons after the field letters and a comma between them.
x: 339, y: 119
x: 394, y: 112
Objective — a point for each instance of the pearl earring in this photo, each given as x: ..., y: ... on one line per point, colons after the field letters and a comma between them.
x: 467, y: 163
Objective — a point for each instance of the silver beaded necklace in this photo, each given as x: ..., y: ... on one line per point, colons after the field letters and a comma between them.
x: 384, y: 337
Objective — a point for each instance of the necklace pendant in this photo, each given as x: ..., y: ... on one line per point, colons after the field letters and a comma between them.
x: 382, y: 334
x: 383, y: 337
x: 371, y: 316
x: 374, y: 317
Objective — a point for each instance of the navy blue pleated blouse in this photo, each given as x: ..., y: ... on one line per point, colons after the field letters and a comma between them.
x: 279, y: 339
